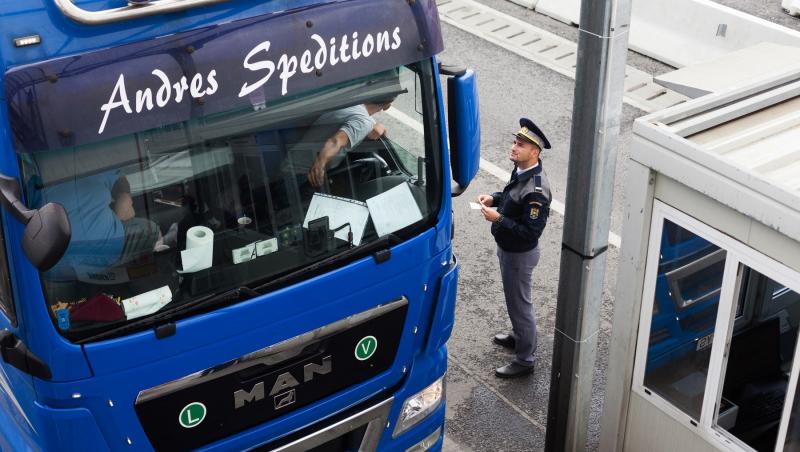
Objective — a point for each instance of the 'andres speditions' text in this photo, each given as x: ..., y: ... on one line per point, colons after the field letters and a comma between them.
x: 323, y: 54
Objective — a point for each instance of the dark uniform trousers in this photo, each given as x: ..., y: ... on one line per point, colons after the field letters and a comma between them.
x: 525, y: 206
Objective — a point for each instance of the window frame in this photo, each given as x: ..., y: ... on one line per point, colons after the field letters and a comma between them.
x: 738, y: 255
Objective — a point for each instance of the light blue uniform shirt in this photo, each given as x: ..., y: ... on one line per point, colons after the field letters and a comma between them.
x: 98, y: 235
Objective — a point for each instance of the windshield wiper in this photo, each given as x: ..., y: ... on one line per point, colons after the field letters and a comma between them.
x: 237, y: 293
x: 388, y: 240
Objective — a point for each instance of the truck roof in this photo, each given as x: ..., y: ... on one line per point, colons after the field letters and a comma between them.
x: 740, y: 147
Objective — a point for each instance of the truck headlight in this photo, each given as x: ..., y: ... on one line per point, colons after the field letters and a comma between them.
x: 418, y: 406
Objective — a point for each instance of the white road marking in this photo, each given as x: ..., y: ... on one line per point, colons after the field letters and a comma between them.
x: 491, y: 168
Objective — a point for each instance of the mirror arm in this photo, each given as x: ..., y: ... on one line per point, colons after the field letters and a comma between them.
x: 457, y: 189
x: 10, y: 199
x: 451, y: 70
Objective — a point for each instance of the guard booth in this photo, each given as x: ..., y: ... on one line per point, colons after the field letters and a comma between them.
x: 704, y: 351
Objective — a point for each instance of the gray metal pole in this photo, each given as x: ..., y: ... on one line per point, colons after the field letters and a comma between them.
x: 597, y: 107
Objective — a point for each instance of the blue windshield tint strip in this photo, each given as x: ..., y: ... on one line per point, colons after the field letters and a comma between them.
x: 245, y: 64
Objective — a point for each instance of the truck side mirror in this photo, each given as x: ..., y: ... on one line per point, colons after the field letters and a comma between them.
x: 463, y: 122
x: 47, y: 230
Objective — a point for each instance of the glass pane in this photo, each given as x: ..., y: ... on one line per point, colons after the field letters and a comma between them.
x: 759, y: 361
x: 681, y: 333
x: 231, y: 202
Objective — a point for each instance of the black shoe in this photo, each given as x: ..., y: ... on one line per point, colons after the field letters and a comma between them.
x: 506, y: 340
x: 513, y: 370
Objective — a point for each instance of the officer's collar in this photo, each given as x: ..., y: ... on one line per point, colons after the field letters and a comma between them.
x: 527, y: 174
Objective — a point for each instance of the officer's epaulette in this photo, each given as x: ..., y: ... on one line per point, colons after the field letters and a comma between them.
x: 537, y: 184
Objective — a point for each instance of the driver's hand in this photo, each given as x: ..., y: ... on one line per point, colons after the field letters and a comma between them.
x: 377, y: 131
x: 316, y: 175
x: 123, y: 207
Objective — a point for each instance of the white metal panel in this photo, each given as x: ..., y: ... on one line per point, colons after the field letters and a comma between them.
x: 631, y: 265
x: 700, y: 206
x: 732, y: 69
x: 686, y: 32
x: 650, y: 429
x: 754, y: 171
x: 775, y: 245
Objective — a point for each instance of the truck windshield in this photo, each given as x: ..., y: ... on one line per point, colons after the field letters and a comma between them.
x: 165, y: 217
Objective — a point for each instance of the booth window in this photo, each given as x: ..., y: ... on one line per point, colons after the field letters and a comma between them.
x: 685, y: 308
x: 718, y: 348
x: 759, y: 360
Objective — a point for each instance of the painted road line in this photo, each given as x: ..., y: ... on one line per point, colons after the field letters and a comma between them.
x: 547, y: 49
x: 491, y: 168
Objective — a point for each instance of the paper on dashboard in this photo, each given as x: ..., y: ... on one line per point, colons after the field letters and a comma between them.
x: 393, y: 210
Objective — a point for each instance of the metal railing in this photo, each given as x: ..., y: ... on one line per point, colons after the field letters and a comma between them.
x: 130, y: 12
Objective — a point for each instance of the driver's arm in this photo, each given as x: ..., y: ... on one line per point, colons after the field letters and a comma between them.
x: 332, y: 146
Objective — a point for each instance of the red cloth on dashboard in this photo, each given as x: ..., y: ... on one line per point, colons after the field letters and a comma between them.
x: 99, y: 308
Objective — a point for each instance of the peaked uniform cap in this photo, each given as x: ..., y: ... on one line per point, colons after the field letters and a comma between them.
x: 529, y: 132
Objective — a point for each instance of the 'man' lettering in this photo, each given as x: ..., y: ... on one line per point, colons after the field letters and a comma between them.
x: 242, y: 397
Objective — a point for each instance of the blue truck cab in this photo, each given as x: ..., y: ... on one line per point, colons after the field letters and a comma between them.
x: 227, y: 225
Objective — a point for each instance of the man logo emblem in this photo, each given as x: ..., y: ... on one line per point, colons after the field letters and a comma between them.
x: 285, y: 399
x: 366, y: 348
x: 192, y: 415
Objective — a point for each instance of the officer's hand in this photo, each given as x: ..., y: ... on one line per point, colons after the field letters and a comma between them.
x: 490, y: 214
x: 486, y: 200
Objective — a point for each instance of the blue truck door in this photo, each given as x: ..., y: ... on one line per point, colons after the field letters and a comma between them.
x: 17, y: 396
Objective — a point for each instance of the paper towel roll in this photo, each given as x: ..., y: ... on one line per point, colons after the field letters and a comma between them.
x: 146, y: 303
x: 199, y: 250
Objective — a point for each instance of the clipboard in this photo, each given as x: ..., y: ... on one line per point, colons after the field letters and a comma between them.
x: 339, y: 211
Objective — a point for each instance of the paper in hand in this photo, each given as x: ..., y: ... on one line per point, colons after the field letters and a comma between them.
x: 474, y: 205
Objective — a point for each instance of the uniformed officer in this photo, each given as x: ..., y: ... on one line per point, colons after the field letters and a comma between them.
x: 522, y: 210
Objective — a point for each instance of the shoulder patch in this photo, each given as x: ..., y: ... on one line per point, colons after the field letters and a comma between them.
x: 534, y: 213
